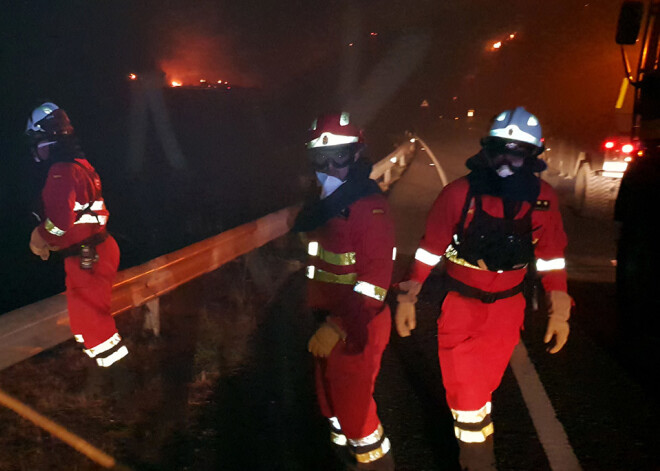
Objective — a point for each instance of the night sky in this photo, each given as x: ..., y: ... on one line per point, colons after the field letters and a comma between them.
x: 562, y: 65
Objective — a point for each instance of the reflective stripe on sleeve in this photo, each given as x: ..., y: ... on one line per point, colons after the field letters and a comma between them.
x: 370, y: 290
x: 427, y: 257
x: 317, y: 274
x: 53, y: 229
x: 547, y: 265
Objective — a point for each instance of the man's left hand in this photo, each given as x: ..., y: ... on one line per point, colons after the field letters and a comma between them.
x: 559, y: 312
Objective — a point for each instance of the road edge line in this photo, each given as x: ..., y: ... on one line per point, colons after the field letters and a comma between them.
x: 550, y: 431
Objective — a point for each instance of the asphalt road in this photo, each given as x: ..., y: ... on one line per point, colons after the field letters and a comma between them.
x: 259, y: 413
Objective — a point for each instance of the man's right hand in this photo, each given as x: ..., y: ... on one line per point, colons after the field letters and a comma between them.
x: 38, y: 245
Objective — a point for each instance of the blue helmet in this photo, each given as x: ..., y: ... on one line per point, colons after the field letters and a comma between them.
x: 517, y: 125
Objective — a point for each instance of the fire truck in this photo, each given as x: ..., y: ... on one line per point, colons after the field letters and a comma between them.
x: 638, y: 200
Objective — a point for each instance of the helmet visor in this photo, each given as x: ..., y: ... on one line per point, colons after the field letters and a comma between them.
x: 339, y: 156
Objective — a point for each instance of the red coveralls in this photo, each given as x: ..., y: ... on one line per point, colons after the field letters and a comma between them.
x: 476, y: 339
x: 350, y: 271
x: 71, y: 191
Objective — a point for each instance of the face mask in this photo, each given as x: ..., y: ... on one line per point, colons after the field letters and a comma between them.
x: 328, y: 184
x: 504, y: 171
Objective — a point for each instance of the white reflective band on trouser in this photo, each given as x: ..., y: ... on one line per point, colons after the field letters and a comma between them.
x: 103, y: 346
x: 53, y: 229
x: 469, y: 436
x: 472, y: 416
x: 370, y: 290
x: 110, y: 359
x: 547, y: 265
x: 426, y: 257
x: 313, y: 248
x: 394, y: 253
x: 369, y: 439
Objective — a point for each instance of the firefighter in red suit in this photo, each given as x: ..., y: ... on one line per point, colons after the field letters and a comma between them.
x: 74, y: 226
x: 490, y: 227
x: 350, y: 237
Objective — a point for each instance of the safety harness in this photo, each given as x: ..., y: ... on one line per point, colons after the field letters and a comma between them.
x: 492, y: 243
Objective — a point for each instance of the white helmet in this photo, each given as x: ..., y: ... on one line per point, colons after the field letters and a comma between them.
x: 49, y: 120
x: 517, y: 125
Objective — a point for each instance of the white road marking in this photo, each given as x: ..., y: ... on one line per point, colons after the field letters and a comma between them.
x: 548, y: 428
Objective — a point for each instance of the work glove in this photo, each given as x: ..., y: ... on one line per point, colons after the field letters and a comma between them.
x: 559, y: 311
x: 324, y: 339
x: 38, y: 245
x: 405, y: 316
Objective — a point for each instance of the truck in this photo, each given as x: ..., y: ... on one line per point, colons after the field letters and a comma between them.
x: 638, y: 200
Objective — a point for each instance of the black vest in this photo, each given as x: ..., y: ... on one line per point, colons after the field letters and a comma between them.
x: 501, y: 243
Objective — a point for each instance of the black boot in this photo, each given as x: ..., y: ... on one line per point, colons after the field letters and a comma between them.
x: 477, y: 456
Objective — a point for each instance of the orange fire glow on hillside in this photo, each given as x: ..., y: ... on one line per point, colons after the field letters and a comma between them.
x: 199, y: 60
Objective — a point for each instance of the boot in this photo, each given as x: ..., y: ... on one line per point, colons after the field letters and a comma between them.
x: 477, y: 456
x: 385, y: 463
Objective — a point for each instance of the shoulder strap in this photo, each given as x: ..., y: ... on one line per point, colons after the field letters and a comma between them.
x: 466, y: 206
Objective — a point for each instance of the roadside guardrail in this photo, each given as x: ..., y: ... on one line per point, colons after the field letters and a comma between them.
x: 31, y: 329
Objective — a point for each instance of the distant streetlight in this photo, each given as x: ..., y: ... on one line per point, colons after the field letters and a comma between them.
x: 470, y: 113
x: 132, y: 76
x: 497, y: 45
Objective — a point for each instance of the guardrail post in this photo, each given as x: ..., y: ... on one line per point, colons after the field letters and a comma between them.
x: 152, y: 316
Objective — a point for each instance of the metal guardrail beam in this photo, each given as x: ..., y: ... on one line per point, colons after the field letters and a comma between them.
x: 32, y: 329
x: 40, y: 326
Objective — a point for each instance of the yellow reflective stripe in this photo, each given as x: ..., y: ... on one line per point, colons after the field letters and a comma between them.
x: 452, y: 255
x: 53, y: 229
x: 373, y: 455
x: 472, y: 416
x: 342, y: 259
x: 317, y: 274
x: 79, y: 338
x: 547, y: 265
x: 103, y: 346
x: 426, y: 257
x: 110, y: 359
x: 370, y: 290
x: 469, y: 436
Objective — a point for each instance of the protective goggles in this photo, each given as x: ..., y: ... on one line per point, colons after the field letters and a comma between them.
x: 521, y: 150
x: 338, y: 156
